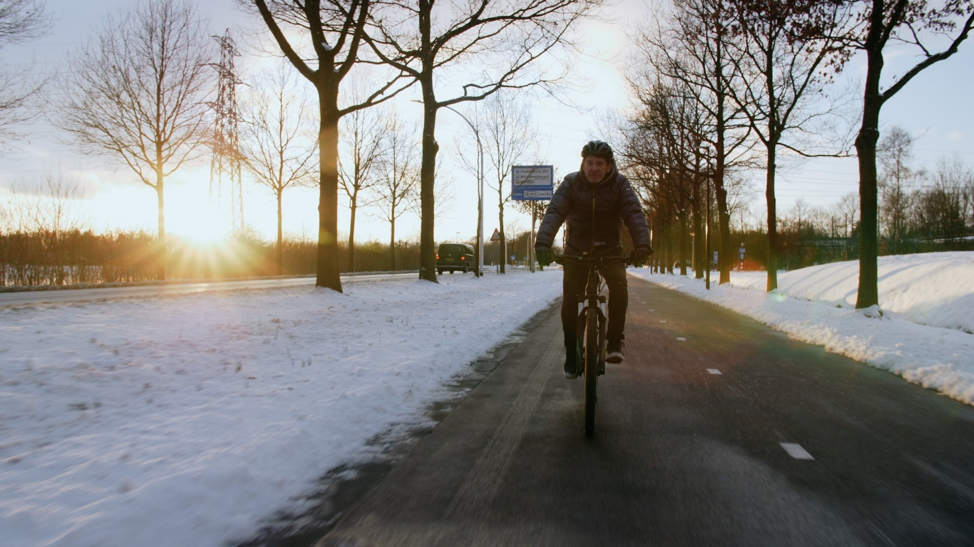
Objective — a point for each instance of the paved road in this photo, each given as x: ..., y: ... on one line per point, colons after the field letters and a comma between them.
x: 103, y: 293
x: 715, y: 431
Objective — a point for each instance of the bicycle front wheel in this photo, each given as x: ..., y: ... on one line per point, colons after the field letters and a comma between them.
x: 591, y: 368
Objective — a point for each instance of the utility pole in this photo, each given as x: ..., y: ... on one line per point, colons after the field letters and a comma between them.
x: 226, y: 139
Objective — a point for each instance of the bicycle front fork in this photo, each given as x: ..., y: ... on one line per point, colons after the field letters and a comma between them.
x: 603, y: 324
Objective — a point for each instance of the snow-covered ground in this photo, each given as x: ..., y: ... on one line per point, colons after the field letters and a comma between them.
x: 186, y: 420
x: 921, y: 331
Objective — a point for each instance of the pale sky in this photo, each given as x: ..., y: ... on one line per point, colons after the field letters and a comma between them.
x: 934, y: 107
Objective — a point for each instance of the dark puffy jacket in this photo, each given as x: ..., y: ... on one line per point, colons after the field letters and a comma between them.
x: 616, y: 204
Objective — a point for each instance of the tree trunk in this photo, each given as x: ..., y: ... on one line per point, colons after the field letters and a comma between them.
x: 163, y: 254
x: 503, y: 241
x: 869, y: 211
x: 684, y: 233
x: 327, y: 269
x: 280, y: 232
x: 868, y: 181
x: 724, y: 255
x: 353, y: 208
x: 670, y: 254
x: 392, y: 242
x: 723, y: 217
x: 772, y: 221
x: 699, y: 252
x: 427, y: 173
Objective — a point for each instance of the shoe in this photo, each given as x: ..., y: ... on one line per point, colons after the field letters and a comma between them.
x: 614, y: 352
x: 571, y: 371
x: 572, y: 359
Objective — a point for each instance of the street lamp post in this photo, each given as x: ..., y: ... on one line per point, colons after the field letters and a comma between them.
x: 480, y: 193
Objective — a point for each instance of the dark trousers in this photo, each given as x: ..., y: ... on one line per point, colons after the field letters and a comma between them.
x: 573, y: 286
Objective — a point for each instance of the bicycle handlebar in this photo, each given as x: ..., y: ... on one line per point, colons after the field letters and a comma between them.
x: 591, y: 259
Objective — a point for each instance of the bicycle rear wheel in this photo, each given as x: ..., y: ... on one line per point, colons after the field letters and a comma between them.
x: 591, y: 368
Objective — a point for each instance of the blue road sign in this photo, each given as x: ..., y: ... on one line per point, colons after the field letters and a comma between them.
x: 532, y: 182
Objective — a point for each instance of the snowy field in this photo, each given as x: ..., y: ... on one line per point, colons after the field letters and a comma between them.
x: 188, y: 420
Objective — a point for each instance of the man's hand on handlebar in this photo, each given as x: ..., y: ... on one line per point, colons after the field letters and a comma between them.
x: 543, y: 253
x: 639, y: 255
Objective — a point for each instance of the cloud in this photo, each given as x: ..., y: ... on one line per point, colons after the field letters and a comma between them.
x: 955, y: 136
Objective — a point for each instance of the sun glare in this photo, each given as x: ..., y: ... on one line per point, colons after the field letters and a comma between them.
x: 199, y: 223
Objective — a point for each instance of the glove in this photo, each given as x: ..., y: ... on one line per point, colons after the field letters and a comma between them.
x: 639, y: 255
x: 543, y: 253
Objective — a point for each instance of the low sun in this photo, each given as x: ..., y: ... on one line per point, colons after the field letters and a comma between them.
x: 199, y: 222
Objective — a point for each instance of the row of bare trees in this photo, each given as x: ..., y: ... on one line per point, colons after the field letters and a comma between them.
x: 722, y: 86
x: 917, y: 205
x: 425, y: 43
x: 137, y: 93
x: 140, y: 92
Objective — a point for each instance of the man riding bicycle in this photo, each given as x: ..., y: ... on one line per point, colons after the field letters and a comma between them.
x: 596, y: 202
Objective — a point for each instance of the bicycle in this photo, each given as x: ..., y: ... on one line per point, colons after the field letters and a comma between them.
x: 591, y: 328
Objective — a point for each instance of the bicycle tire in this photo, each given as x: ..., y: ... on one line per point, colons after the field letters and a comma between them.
x: 591, y: 368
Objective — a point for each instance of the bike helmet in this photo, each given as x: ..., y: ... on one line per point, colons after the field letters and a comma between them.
x: 597, y: 148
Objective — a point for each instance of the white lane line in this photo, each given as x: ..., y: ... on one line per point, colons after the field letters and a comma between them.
x: 796, y: 451
x: 662, y: 320
x: 714, y: 371
x: 681, y: 339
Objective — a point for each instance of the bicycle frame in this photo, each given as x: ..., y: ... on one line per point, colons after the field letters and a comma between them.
x: 591, y: 328
x: 593, y: 300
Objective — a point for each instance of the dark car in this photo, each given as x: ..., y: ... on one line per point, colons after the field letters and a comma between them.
x: 453, y: 257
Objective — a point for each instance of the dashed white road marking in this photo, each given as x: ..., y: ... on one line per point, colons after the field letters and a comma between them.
x: 662, y: 320
x: 796, y: 451
x: 714, y: 371
x: 681, y: 339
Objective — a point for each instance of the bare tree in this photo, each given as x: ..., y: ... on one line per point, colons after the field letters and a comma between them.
x: 883, y: 24
x: 535, y: 208
x: 138, y: 93
x: 942, y: 206
x: 662, y: 153
x: 508, y: 137
x: 506, y: 39
x: 328, y: 35
x: 780, y: 63
x: 848, y: 210
x: 800, y: 213
x: 399, y: 177
x: 364, y: 140
x: 46, y: 213
x: 20, y: 21
x: 894, y: 153
x: 276, y: 146
x: 694, y: 48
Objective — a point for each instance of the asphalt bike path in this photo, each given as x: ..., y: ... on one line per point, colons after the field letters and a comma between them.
x: 716, y: 430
